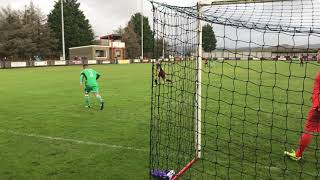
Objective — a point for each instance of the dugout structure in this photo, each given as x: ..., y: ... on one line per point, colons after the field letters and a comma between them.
x: 234, y: 118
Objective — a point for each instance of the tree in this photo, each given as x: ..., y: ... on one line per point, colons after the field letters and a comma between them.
x: 43, y: 40
x: 147, y: 33
x: 120, y: 31
x: 158, y: 48
x: 78, y: 31
x: 11, y: 36
x: 132, y: 41
x: 24, y: 34
x: 208, y: 38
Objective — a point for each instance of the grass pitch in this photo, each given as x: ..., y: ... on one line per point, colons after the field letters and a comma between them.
x: 46, y: 133
x: 252, y: 111
x: 255, y: 111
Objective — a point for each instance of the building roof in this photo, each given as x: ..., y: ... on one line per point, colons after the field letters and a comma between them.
x: 98, y: 46
x: 112, y: 36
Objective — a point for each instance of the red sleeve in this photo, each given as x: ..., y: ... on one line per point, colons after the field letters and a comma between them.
x: 316, y: 91
x: 318, y: 88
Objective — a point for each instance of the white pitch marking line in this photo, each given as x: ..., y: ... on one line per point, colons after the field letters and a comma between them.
x: 71, y: 140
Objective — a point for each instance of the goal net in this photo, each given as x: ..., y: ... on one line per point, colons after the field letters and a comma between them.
x: 231, y: 89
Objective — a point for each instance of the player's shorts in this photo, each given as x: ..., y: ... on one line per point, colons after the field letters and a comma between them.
x: 313, y: 121
x: 94, y: 89
x: 162, y: 74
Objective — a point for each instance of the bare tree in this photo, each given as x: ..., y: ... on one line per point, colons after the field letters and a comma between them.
x: 25, y: 34
x: 132, y: 41
x: 120, y: 31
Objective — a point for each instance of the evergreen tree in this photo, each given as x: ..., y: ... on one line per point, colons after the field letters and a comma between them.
x: 78, y: 31
x: 147, y: 33
x: 208, y: 38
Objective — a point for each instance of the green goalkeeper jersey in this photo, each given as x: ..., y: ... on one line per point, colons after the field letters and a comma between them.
x: 90, y: 77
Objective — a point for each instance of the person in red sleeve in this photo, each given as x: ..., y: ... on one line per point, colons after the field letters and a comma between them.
x: 312, y: 124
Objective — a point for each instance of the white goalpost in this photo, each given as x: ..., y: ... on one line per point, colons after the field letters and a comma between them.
x: 198, y: 85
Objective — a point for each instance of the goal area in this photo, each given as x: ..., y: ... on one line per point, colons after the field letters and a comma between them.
x: 231, y: 88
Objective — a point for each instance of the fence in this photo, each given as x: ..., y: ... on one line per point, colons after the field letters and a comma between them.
x: 22, y: 64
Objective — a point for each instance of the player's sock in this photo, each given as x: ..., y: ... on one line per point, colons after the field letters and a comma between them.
x: 99, y: 98
x: 304, y: 142
x: 102, y: 106
x: 87, y: 100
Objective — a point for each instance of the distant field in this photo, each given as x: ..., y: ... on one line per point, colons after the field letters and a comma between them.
x: 46, y: 133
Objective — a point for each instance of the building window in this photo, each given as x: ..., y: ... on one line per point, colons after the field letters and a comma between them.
x: 118, y: 53
x: 100, y: 53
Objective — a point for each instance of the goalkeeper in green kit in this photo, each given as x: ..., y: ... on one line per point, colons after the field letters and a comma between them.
x: 90, y: 77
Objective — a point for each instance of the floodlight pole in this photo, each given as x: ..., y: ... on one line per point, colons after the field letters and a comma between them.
x: 163, y: 43
x: 163, y: 36
x: 62, y: 32
x: 198, y: 84
x: 141, y: 29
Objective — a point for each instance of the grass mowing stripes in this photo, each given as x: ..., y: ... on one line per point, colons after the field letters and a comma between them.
x: 49, y: 102
x: 252, y: 112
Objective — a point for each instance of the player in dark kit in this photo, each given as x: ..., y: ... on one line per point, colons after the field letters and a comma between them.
x: 301, y: 60
x: 160, y: 73
x: 206, y: 62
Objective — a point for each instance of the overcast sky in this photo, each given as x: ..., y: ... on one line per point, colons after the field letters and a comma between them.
x: 104, y: 15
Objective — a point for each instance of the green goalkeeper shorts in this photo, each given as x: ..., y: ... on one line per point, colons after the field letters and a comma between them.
x: 94, y: 89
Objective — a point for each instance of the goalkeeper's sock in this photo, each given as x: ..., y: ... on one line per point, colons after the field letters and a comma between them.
x: 99, y: 98
x: 87, y: 100
x: 304, y: 142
